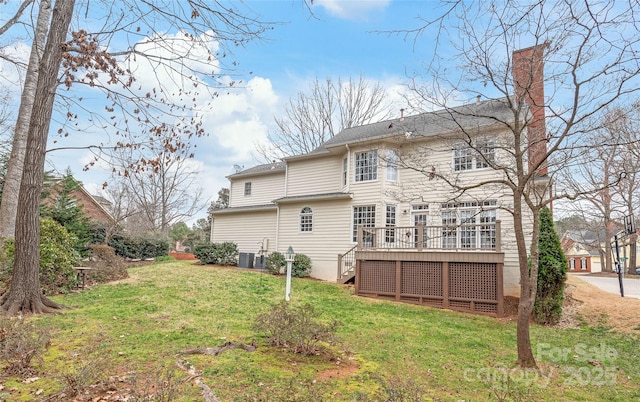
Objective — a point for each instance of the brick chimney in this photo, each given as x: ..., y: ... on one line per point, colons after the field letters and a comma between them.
x: 528, y: 77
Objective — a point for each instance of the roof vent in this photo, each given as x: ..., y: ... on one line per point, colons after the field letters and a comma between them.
x: 402, y: 114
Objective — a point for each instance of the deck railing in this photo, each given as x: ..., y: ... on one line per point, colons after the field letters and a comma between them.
x: 465, y: 237
x: 347, y: 265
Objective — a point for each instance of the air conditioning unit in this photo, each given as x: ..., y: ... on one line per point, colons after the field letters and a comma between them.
x: 245, y: 260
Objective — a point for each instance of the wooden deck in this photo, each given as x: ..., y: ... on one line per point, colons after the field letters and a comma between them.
x: 467, y: 277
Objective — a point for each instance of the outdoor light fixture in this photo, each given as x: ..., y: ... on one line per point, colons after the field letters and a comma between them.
x: 289, y: 256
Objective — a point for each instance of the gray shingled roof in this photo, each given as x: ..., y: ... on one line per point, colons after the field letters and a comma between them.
x: 475, y: 115
x: 232, y: 210
x: 267, y: 168
x: 470, y: 116
x: 585, y: 236
x: 312, y: 197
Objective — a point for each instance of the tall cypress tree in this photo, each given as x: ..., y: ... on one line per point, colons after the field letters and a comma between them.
x: 552, y: 273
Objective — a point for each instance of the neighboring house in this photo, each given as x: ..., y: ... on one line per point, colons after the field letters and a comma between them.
x: 95, y: 207
x: 583, y: 250
x: 356, y: 210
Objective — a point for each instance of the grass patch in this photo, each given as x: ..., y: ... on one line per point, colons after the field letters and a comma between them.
x: 136, y: 327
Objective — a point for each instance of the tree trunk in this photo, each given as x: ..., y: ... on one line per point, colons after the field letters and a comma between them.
x: 24, y: 293
x: 11, y: 189
x: 633, y: 240
x: 528, y: 287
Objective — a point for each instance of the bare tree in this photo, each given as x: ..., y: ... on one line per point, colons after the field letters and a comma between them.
x: 15, y: 164
x: 168, y: 77
x: 594, y: 174
x: 627, y: 192
x: 167, y: 92
x: 24, y: 291
x: 161, y: 196
x: 122, y: 207
x: 588, y: 67
x: 606, y: 174
x: 327, y: 108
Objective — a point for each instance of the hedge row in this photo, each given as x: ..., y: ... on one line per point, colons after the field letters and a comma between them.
x: 217, y: 253
x: 132, y: 247
x: 137, y: 247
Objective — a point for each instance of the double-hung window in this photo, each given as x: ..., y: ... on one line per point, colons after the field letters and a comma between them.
x: 478, y: 156
x: 487, y: 228
x: 469, y: 225
x: 462, y: 158
x: 485, y: 154
x: 392, y: 165
x: 390, y: 223
x: 366, y: 166
x: 247, y: 188
x: 364, y: 216
x: 449, y: 227
x: 345, y: 171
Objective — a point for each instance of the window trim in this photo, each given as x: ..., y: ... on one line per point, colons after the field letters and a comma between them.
x: 390, y: 222
x: 467, y: 157
x: 482, y: 214
x: 362, y: 212
x: 306, y: 220
x: 345, y: 171
x: 462, y: 158
x: 486, y: 147
x: 392, y: 166
x: 365, y: 170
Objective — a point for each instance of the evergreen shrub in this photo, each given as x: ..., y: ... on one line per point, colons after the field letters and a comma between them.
x: 552, y: 273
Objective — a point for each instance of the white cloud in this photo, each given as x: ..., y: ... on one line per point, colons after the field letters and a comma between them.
x: 235, y: 120
x: 352, y: 9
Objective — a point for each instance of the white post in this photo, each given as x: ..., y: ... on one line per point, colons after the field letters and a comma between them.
x: 289, y: 256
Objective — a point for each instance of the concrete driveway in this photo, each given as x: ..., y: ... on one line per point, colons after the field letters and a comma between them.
x: 610, y: 284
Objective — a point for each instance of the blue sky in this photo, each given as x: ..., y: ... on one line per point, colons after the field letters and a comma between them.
x: 342, y: 39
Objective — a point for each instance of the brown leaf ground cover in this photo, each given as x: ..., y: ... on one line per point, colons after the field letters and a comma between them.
x: 589, y: 304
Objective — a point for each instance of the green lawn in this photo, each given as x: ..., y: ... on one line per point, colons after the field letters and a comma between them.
x: 135, y: 329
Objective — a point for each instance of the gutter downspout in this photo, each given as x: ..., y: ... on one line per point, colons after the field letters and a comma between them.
x: 348, y: 168
x: 286, y: 187
x: 277, y: 226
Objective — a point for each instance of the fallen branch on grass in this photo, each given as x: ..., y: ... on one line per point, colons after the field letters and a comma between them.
x: 207, y: 393
x: 219, y: 349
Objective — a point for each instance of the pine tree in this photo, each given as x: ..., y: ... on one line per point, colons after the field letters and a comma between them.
x: 552, y: 273
x: 63, y: 208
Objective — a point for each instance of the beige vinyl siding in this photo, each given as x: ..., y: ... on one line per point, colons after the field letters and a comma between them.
x: 264, y: 189
x: 314, y: 176
x: 419, y: 188
x: 330, y: 236
x: 246, y: 229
